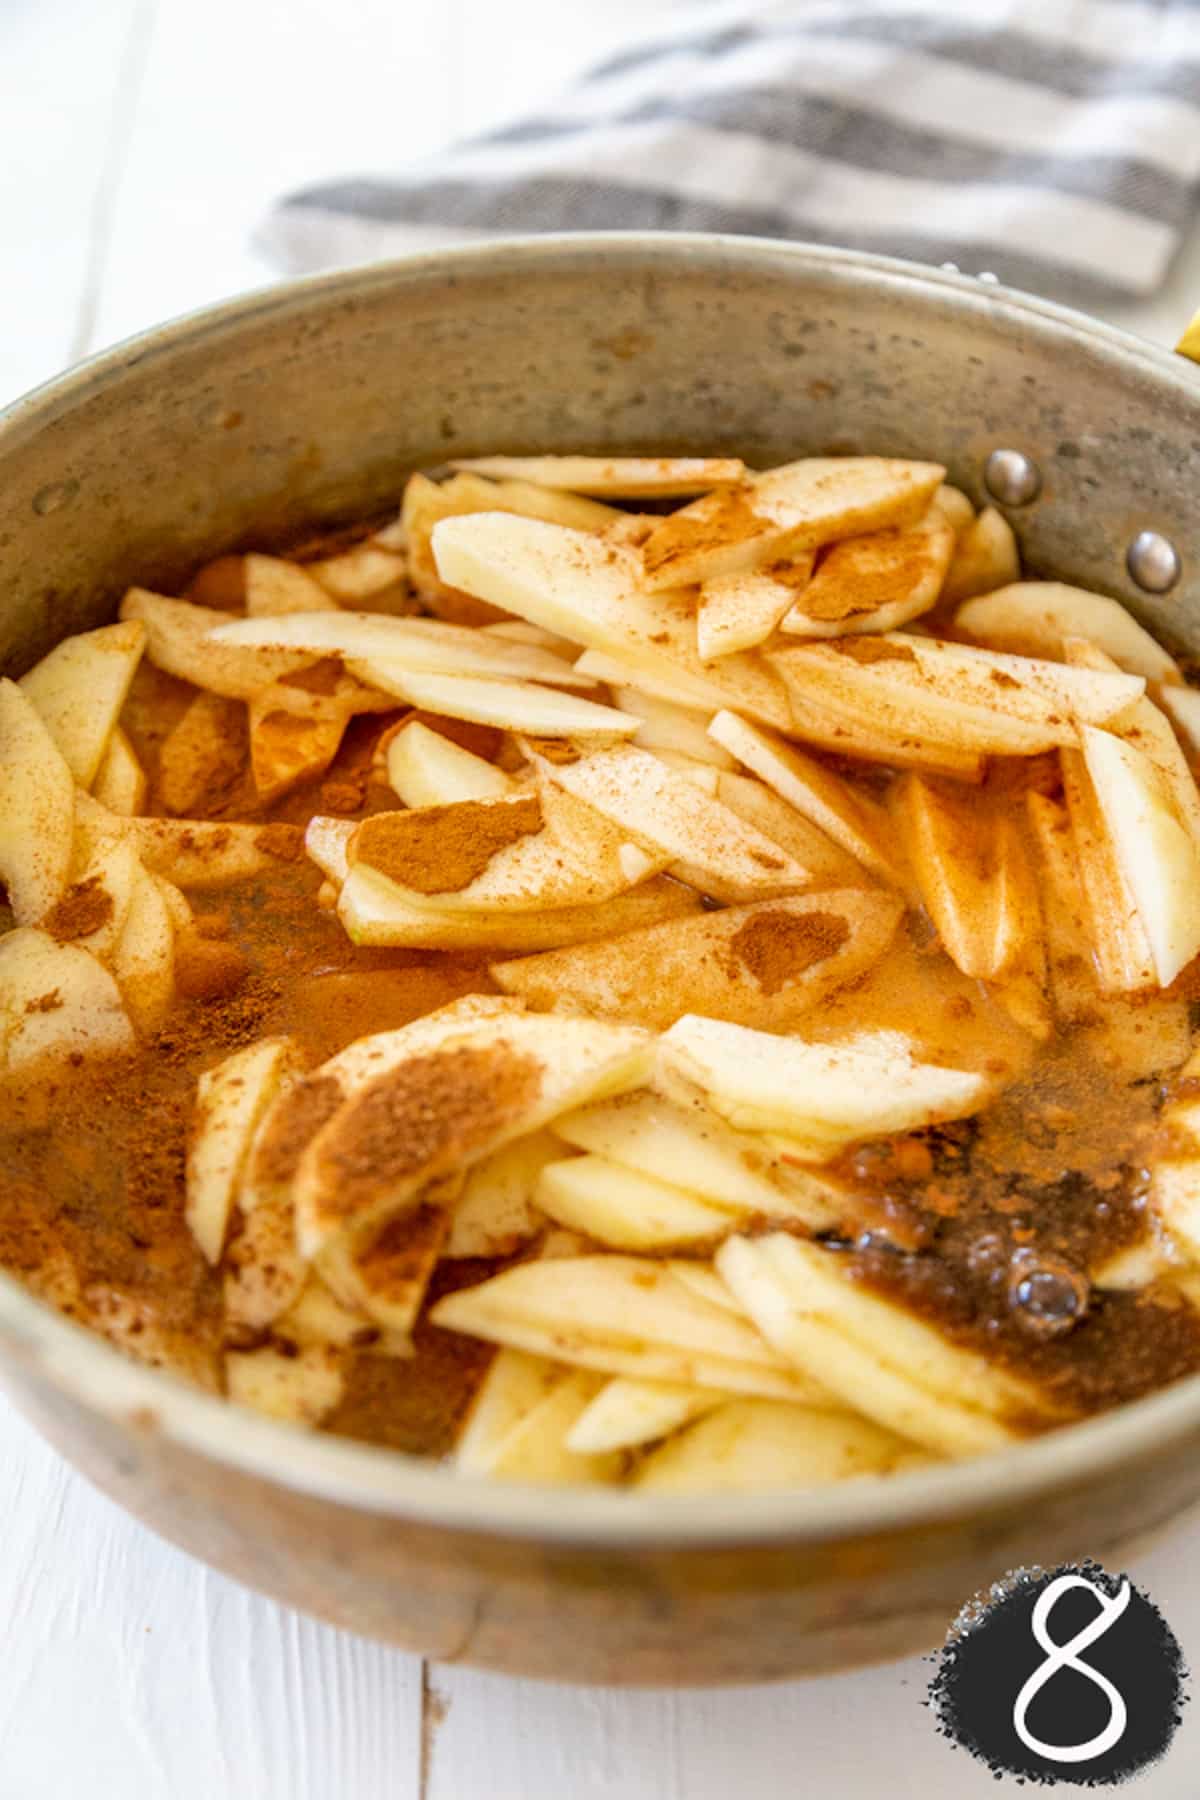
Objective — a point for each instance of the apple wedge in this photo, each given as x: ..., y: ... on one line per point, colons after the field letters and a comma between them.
x: 953, y: 506
x: 1034, y: 618
x: 327, y: 843
x: 986, y: 557
x: 767, y: 964
x: 854, y: 822
x: 367, y: 572
x: 496, y: 1079
x: 876, y: 1358
x: 619, y: 477
x: 79, y: 689
x: 690, y: 1147
x: 37, y: 809
x: 626, y: 1210
x: 511, y: 705
x: 979, y: 700
x: 120, y: 782
x: 865, y: 1087
x: 496, y: 1212
x: 287, y: 749
x: 472, y: 492
x: 1158, y: 857
x: 319, y: 1318
x: 753, y: 1446
x: 143, y: 958
x: 513, y: 1386
x: 231, y: 1099
x: 535, y: 1449
x: 760, y: 806
x: 667, y: 726
x: 374, y: 912
x: 737, y: 612
x: 622, y: 1315
x: 389, y: 1278
x: 203, y: 755
x: 95, y: 907
x: 1118, y: 946
x: 692, y: 694
x: 1148, y: 730
x: 664, y: 811
x: 796, y: 507
x: 274, y: 587
x: 854, y: 735
x: 203, y: 853
x: 179, y: 640
x: 427, y: 769
x: 300, y: 1389
x: 57, y: 1003
x: 627, y: 1414
x: 1182, y: 707
x: 874, y: 583
x: 589, y: 591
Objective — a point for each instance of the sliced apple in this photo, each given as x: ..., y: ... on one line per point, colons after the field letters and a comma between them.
x: 1065, y: 911
x: 274, y: 587
x: 319, y: 1318
x: 496, y: 1212
x: 203, y: 754
x: 592, y: 841
x: 876, y: 1358
x: 367, y: 572
x: 864, y: 1087
x: 752, y: 1446
x: 767, y: 964
x: 689, y: 1146
x: 660, y: 808
x: 622, y: 1315
x: 474, y: 492
x: 57, y: 1003
x: 105, y: 887
x: 512, y: 705
x: 693, y: 694
x: 120, y: 782
x: 513, y: 1386
x: 1182, y: 707
x: 388, y: 1279
x: 874, y: 583
x: 850, y: 734
x: 374, y: 912
x: 795, y: 507
x: 857, y: 824
x: 179, y: 640
x: 1149, y: 730
x: 1144, y: 1037
x: 626, y: 1210
x: 535, y: 1447
x: 327, y: 843
x: 762, y: 807
x: 589, y: 591
x: 737, y: 612
x: 231, y: 1099
x: 79, y: 689
x: 667, y: 726
x: 288, y: 749
x: 143, y: 958
x: 496, y: 1079
x: 203, y: 853
x: 954, y: 507
x: 301, y: 1389
x: 1034, y: 618
x: 1120, y: 948
x: 621, y: 477
x: 427, y: 769
x: 1158, y: 857
x: 985, y: 558
x: 37, y: 809
x: 627, y: 1414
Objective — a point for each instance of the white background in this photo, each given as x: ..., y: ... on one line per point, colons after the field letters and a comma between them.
x: 140, y: 140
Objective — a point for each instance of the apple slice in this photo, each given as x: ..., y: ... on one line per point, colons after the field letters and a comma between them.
x: 693, y: 694
x: 1182, y: 707
x: 120, y: 782
x: 589, y: 591
x: 366, y: 572
x: 495, y: 1213
x: 666, y: 726
x: 388, y: 1280
x: 1143, y: 1037
x: 813, y: 1318
x: 850, y: 734
x: 796, y: 507
x: 179, y: 640
x: 627, y: 1414
x: 374, y: 912
x: 57, y: 1003
x: 864, y: 1087
x: 80, y: 688
x: 985, y: 558
x: 857, y: 824
x: 621, y: 1315
x: 660, y: 808
x: 1157, y: 856
x: 953, y: 506
x: 767, y: 964
x: 1034, y: 618
x: 1120, y: 948
x: 37, y: 809
x: 231, y: 1099
x: 498, y: 1078
x: 535, y: 1448
x: 736, y: 612
x: 301, y: 1389
x: 752, y: 1446
x: 274, y: 587
x: 319, y: 1318
x: 203, y: 755
x: 876, y: 582
x: 513, y: 1386
x: 474, y: 492
x: 763, y: 808
x: 427, y: 769
x: 511, y: 705
x: 693, y: 1149
x: 203, y: 853
x: 627, y: 1210
x: 621, y: 477
x: 1148, y: 730
x: 143, y: 958
x: 288, y: 749
x: 327, y: 843
x: 93, y: 911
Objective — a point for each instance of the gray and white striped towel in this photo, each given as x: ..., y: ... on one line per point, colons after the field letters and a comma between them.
x: 1056, y: 142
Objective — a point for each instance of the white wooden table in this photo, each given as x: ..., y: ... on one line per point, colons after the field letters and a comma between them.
x: 142, y: 140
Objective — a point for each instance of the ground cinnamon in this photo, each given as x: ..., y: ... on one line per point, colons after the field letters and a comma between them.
x: 776, y: 947
x: 83, y: 909
x: 443, y: 849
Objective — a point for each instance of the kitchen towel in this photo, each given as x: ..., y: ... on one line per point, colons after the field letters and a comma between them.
x: 1055, y: 143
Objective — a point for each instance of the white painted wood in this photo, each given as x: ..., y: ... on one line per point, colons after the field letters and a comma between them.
x: 144, y: 140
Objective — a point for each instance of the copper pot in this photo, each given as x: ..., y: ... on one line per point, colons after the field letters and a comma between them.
x: 308, y: 404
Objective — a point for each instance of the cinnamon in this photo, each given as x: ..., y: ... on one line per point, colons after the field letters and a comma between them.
x: 83, y: 909
x: 443, y: 849
x: 776, y: 947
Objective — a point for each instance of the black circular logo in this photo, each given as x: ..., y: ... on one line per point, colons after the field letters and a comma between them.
x: 1067, y: 1675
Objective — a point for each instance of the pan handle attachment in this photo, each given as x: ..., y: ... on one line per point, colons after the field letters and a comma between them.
x: 1189, y: 343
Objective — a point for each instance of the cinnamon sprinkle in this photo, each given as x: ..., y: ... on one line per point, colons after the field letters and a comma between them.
x: 443, y: 849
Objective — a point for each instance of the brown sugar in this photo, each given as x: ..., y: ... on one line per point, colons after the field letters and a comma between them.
x: 776, y: 947
x: 443, y: 849
x: 83, y: 909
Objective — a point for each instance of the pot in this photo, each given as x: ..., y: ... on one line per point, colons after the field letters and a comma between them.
x: 306, y: 406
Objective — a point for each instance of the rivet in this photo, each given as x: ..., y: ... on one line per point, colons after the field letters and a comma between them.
x: 989, y: 276
x: 1012, y: 477
x: 1153, y: 562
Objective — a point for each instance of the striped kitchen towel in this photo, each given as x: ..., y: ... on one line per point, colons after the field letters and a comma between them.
x: 1055, y: 142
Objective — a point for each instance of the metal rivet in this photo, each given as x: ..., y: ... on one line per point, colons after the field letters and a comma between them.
x: 988, y: 275
x: 1012, y: 477
x: 1153, y: 562
x: 951, y: 268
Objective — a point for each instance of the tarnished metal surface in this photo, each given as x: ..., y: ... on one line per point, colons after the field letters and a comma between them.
x: 308, y: 405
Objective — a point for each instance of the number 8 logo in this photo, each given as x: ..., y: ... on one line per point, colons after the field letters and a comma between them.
x: 1066, y: 1656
